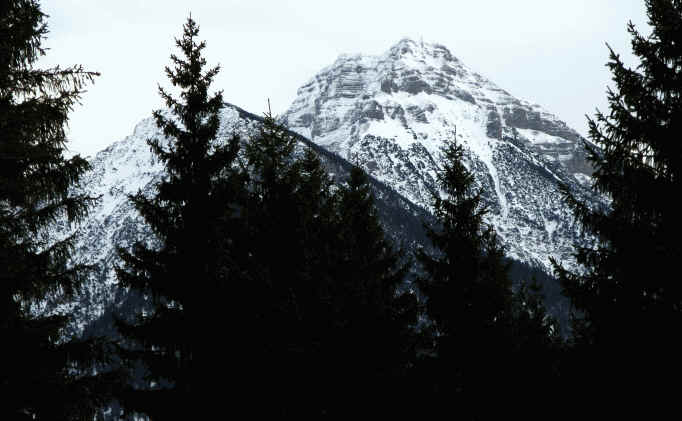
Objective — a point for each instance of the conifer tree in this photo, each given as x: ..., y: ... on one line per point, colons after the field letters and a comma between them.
x: 370, y: 342
x: 328, y: 329
x: 486, y: 336
x: 468, y: 294
x: 276, y: 289
x: 285, y: 299
x: 43, y: 374
x: 187, y: 276
x: 628, y: 298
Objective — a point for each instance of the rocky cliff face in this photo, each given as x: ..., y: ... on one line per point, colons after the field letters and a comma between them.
x: 392, y: 113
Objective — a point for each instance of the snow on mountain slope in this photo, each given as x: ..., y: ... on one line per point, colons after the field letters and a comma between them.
x: 391, y: 114
x: 128, y: 166
x: 121, y: 169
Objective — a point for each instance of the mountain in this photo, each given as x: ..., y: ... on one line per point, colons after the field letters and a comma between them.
x: 128, y: 165
x: 391, y: 113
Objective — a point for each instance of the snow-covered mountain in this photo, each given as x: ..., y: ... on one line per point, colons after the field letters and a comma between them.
x: 391, y: 114
x: 128, y: 165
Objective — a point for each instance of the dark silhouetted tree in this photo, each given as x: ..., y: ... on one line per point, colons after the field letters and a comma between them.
x: 486, y: 338
x: 276, y: 293
x: 370, y: 342
x: 43, y: 373
x: 328, y: 331
x: 628, y: 298
x: 468, y: 295
x: 187, y: 277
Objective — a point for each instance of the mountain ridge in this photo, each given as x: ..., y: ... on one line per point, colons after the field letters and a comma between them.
x: 389, y: 136
x: 128, y: 165
x: 391, y: 114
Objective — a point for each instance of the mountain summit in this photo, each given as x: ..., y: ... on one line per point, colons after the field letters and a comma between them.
x: 391, y: 114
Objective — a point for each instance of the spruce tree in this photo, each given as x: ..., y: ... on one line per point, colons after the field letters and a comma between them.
x: 43, y: 374
x: 288, y: 215
x: 468, y: 295
x: 276, y: 287
x: 490, y: 344
x: 187, y: 276
x: 327, y: 332
x: 369, y: 345
x: 628, y: 298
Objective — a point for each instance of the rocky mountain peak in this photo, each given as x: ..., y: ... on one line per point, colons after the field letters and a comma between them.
x: 409, y: 66
x: 420, y: 50
x: 392, y: 113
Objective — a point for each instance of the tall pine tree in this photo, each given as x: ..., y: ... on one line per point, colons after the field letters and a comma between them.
x: 468, y: 293
x: 490, y: 344
x: 628, y: 298
x: 369, y: 340
x: 43, y: 375
x: 187, y: 277
x: 326, y: 330
x: 277, y: 258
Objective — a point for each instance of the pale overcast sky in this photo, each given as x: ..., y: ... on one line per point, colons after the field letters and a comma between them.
x: 545, y: 51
